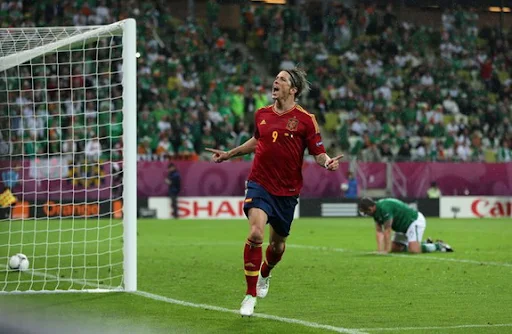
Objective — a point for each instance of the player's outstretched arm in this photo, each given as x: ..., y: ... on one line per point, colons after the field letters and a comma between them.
x: 219, y: 156
x: 326, y: 162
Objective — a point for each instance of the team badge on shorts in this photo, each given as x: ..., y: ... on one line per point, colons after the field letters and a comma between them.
x: 293, y: 124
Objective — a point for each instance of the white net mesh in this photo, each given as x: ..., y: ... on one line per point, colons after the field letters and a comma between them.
x: 61, y: 158
x: 16, y: 40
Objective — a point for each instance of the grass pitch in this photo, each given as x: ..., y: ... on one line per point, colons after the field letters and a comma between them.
x: 190, y: 273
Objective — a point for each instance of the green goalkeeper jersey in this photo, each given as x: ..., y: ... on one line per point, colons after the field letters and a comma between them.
x: 401, y: 213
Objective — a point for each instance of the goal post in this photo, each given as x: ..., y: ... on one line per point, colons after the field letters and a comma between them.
x: 68, y: 156
x: 130, y: 170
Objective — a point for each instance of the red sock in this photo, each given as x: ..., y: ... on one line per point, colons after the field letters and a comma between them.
x: 252, y: 262
x: 271, y: 259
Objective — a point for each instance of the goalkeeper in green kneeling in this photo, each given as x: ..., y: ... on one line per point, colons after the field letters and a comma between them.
x: 408, y: 224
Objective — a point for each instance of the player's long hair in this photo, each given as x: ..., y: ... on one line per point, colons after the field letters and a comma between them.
x: 299, y: 81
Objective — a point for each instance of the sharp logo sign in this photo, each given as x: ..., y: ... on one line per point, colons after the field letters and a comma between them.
x: 202, y: 207
x: 211, y: 208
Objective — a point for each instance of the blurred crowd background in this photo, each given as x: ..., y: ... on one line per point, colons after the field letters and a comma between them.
x: 385, y: 88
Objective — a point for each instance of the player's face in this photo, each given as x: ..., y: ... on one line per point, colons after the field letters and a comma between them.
x: 369, y: 212
x: 282, y: 87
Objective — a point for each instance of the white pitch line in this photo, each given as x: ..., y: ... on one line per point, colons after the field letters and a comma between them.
x: 273, y: 317
x: 392, y: 329
x: 268, y: 316
x: 207, y: 307
x: 277, y: 318
x: 256, y: 315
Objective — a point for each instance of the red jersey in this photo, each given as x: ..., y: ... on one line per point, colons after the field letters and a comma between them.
x: 282, y: 140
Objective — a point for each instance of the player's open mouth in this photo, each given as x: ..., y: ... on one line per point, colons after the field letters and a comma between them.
x: 275, y: 89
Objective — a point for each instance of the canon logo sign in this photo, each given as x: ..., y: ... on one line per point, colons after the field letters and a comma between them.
x: 475, y: 207
x: 484, y: 208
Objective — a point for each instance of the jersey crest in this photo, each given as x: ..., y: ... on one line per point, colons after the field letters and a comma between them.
x: 292, y: 124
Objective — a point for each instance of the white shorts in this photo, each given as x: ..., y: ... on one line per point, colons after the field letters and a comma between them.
x: 414, y: 232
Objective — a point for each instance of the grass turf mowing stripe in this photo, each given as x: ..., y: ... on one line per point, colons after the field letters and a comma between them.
x: 282, y: 319
x: 409, y: 256
x: 343, y: 250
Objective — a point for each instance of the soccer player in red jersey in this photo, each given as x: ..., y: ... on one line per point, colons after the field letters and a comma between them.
x: 282, y: 133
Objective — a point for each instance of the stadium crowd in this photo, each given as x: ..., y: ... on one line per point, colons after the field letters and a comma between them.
x: 392, y: 90
x: 383, y: 89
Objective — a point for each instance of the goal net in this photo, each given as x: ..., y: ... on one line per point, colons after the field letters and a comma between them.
x: 68, y: 157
